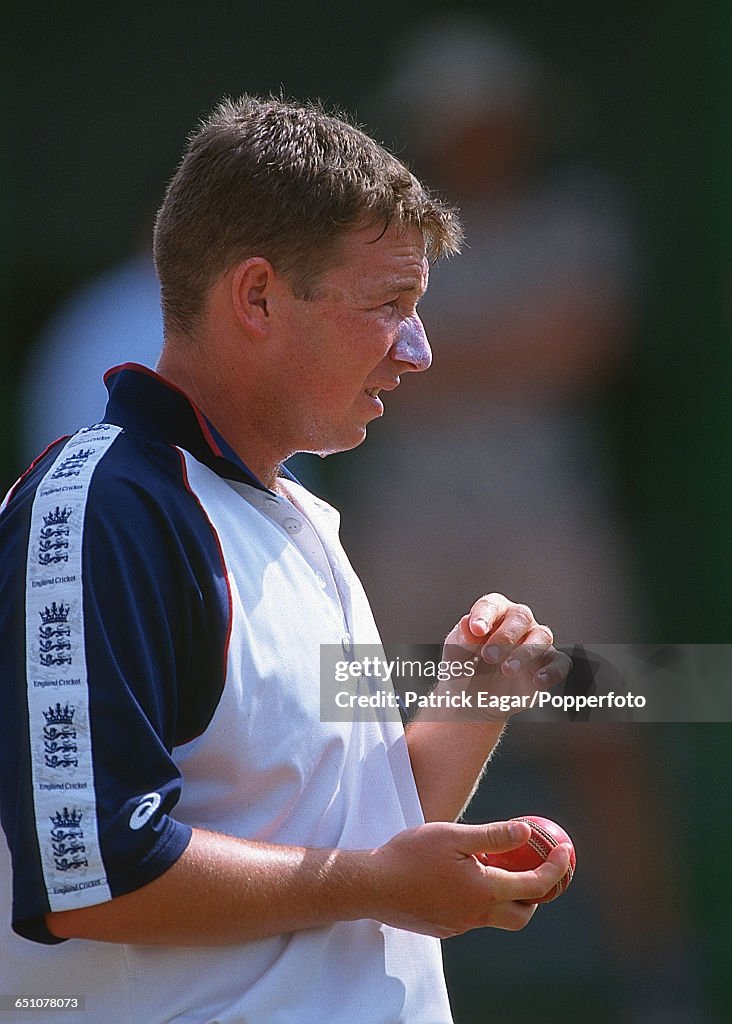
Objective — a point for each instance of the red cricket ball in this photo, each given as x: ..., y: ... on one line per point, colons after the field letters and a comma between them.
x: 545, y: 835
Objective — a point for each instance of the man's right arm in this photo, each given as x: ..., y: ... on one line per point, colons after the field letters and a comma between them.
x: 224, y: 890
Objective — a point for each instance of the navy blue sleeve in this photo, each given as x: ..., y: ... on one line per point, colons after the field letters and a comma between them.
x: 89, y: 783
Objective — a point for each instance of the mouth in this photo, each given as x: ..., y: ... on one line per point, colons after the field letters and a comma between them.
x: 373, y: 395
x: 374, y: 392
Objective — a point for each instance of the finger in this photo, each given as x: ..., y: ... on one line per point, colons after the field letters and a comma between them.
x: 486, y: 613
x: 560, y: 856
x: 515, y: 625
x: 530, y: 653
x: 463, y: 637
x: 554, y: 669
x: 532, y: 885
x: 495, y: 837
x: 511, y: 916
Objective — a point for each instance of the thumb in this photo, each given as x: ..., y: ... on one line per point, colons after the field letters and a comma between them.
x: 495, y: 837
x: 461, y: 638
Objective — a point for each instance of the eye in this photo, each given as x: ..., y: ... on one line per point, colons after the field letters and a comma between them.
x: 402, y: 305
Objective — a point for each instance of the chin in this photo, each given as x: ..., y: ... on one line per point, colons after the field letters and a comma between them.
x: 332, y: 446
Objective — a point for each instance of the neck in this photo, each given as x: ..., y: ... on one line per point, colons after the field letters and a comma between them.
x: 225, y: 400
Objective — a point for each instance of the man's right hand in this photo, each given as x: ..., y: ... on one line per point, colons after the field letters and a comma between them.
x: 432, y: 879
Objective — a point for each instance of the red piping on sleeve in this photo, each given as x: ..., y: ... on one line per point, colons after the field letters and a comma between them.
x: 12, y: 492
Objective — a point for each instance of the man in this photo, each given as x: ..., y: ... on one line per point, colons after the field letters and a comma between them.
x: 167, y: 780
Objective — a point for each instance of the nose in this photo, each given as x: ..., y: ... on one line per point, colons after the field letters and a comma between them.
x: 412, y: 346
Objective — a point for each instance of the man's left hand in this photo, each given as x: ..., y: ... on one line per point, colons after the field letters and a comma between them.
x: 513, y: 653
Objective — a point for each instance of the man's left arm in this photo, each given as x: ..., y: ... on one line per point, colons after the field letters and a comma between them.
x: 509, y: 655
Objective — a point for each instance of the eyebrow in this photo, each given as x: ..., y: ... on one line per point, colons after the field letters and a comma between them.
x: 402, y: 284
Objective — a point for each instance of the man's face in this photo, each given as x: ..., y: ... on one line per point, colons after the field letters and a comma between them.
x: 355, y: 338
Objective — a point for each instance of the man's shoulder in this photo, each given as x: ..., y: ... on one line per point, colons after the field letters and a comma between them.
x: 135, y: 466
x: 119, y: 476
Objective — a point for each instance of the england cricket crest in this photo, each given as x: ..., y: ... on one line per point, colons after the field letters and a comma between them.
x: 73, y: 464
x: 53, y: 539
x: 67, y: 840
x: 54, y: 635
x: 59, y: 737
x: 95, y: 428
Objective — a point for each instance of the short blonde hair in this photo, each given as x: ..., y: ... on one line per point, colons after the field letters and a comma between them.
x: 272, y: 178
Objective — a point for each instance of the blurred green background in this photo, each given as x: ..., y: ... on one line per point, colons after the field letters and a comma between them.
x: 98, y: 101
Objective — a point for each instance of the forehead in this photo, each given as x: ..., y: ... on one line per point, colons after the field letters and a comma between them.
x: 371, y: 257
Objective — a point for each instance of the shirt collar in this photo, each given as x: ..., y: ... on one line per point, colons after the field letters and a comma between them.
x: 143, y: 402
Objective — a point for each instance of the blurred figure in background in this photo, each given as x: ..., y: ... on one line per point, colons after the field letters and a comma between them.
x: 113, y: 318
x: 529, y: 329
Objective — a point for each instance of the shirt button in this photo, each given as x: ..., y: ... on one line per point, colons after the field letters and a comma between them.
x: 292, y: 525
x: 347, y: 644
x: 323, y: 583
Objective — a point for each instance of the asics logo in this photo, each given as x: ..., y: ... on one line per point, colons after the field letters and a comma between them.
x: 145, y: 809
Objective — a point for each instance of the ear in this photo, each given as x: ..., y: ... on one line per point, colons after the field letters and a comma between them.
x: 251, y: 285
